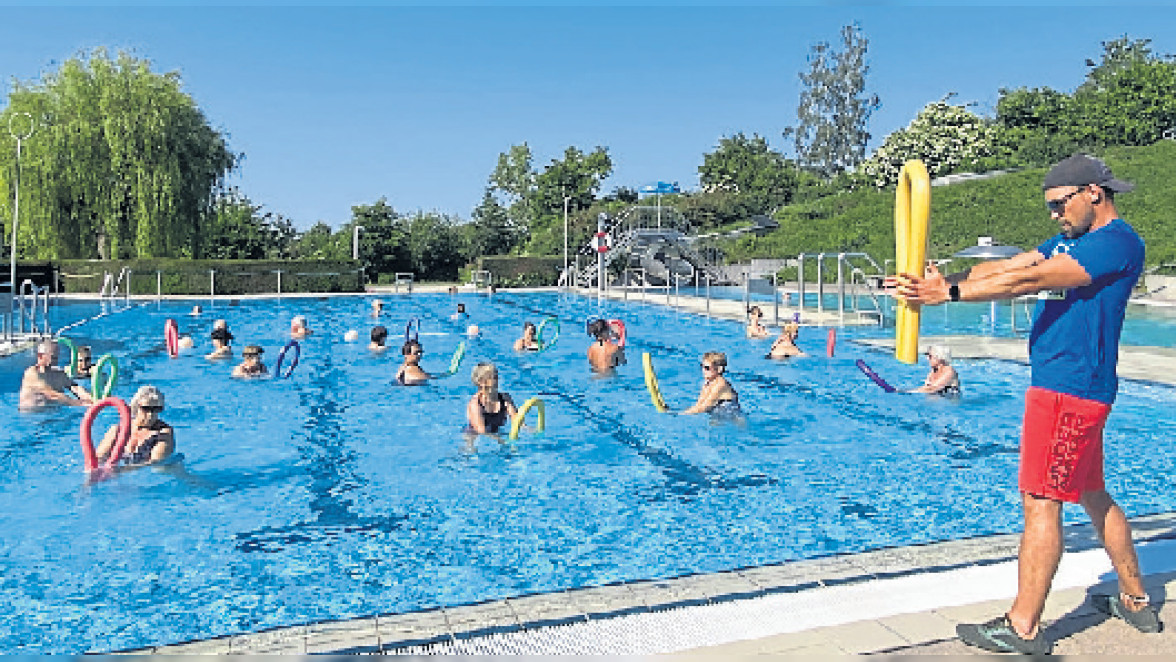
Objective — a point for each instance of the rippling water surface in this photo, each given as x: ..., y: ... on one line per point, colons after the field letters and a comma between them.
x: 336, y: 493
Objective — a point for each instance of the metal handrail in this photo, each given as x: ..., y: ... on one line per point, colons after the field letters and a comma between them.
x: 626, y: 228
x: 477, y: 275
x: 842, y: 260
x: 854, y: 282
x: 28, y: 308
x: 403, y: 278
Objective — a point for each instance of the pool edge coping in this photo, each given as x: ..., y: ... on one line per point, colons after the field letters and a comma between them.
x: 385, y: 633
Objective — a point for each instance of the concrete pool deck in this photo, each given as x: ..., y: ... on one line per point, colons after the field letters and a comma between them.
x: 897, y: 601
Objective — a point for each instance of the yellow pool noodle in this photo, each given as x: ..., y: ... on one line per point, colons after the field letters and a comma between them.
x: 912, y: 215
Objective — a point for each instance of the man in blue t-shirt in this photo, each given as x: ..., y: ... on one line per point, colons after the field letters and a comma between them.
x: 1083, y: 278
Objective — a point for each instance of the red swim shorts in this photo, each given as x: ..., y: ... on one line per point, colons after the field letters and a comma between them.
x: 1061, y: 445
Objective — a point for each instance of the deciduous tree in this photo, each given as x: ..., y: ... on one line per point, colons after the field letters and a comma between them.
x: 123, y: 162
x: 835, y: 108
x: 751, y: 170
x: 947, y: 138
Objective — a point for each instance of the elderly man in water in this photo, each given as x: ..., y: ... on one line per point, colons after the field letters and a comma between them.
x: 45, y: 383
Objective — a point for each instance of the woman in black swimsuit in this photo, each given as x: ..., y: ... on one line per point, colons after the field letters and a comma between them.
x: 943, y: 379
x: 251, y: 366
x: 410, y: 372
x: 152, y: 440
x: 488, y: 410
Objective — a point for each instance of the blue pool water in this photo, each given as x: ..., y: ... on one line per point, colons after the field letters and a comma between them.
x: 336, y: 494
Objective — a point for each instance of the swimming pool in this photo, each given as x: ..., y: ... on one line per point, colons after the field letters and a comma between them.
x: 335, y: 494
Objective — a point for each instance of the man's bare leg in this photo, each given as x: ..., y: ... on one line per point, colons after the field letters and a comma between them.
x: 1115, y: 533
x: 1041, y: 551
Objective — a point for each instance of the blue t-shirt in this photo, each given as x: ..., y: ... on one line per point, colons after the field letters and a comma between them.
x: 1074, y: 345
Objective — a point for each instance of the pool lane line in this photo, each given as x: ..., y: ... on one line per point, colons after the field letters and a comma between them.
x: 327, y: 459
x: 677, y: 471
x: 968, y: 446
x: 105, y: 313
x: 855, y: 409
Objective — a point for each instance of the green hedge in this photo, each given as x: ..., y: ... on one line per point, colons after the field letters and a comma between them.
x: 521, y: 271
x: 177, y: 276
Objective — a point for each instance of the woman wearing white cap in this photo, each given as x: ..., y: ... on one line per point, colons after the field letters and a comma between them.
x: 151, y: 440
x: 298, y: 328
x: 943, y: 379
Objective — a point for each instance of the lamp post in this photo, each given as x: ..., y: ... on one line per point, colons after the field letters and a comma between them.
x: 355, y: 242
x: 565, y: 271
x: 16, y: 200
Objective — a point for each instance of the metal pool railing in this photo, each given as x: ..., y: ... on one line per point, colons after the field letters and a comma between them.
x: 27, y: 313
x: 857, y: 278
x: 405, y: 278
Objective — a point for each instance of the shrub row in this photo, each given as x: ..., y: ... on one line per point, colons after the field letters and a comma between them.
x: 180, y: 276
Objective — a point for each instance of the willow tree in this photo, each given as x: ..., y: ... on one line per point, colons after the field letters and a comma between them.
x: 122, y: 163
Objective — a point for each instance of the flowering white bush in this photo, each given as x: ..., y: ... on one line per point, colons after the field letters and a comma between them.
x: 944, y: 137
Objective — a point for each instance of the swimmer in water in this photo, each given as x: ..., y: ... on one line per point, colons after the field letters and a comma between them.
x: 298, y: 328
x: 44, y: 383
x: 251, y: 365
x: 528, y: 342
x: 604, y: 355
x: 785, y: 345
x: 943, y: 379
x: 379, y: 336
x: 152, y: 440
x: 85, y: 363
x: 488, y: 410
x: 377, y: 308
x: 461, y: 313
x: 717, y: 397
x: 410, y: 372
x: 221, y: 341
x: 754, y: 328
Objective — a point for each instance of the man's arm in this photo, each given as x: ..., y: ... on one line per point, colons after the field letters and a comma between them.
x: 82, y: 394
x: 1058, y: 272
x: 994, y: 267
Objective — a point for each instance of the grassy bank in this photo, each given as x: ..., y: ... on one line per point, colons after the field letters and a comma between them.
x: 1009, y: 207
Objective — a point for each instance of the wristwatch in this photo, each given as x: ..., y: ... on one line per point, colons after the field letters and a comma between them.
x: 953, y: 292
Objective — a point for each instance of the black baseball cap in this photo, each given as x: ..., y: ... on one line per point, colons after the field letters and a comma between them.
x: 1083, y: 169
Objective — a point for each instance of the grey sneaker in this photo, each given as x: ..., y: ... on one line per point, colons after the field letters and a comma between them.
x: 1144, y: 620
x: 999, y: 636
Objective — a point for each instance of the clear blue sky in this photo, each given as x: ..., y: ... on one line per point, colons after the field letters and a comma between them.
x: 337, y: 106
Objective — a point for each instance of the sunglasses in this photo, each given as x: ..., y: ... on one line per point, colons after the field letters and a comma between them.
x: 706, y: 366
x: 1058, y: 206
x: 152, y: 408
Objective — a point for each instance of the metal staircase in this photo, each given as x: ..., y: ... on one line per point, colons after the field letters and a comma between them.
x: 857, y: 294
x: 656, y: 245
